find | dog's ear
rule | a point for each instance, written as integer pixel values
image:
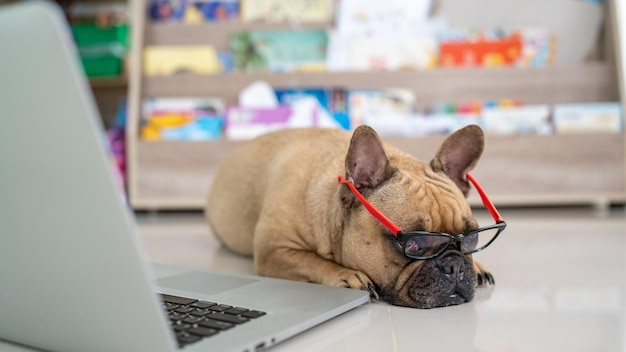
(367, 164)
(458, 155)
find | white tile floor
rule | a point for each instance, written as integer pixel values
(560, 286)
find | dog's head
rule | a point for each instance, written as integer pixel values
(416, 196)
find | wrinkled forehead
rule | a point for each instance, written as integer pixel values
(438, 207)
(451, 215)
(452, 224)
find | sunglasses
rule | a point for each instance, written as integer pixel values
(426, 245)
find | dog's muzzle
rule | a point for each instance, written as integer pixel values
(457, 276)
(439, 282)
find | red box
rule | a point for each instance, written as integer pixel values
(482, 52)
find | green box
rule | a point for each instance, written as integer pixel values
(86, 34)
(100, 66)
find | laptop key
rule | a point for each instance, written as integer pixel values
(185, 340)
(235, 311)
(202, 304)
(191, 319)
(252, 314)
(184, 310)
(177, 300)
(202, 331)
(228, 318)
(177, 316)
(215, 324)
(200, 312)
(219, 307)
(170, 306)
(181, 327)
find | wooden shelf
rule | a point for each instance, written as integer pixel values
(515, 170)
(108, 82)
(592, 82)
(216, 34)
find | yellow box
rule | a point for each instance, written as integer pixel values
(169, 60)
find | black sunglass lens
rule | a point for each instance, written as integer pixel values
(414, 247)
(478, 240)
(420, 246)
(470, 242)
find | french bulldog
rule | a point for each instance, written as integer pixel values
(277, 198)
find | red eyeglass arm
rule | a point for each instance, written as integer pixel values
(395, 228)
(375, 213)
(486, 201)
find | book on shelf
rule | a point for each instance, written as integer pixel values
(588, 118)
(193, 11)
(378, 103)
(286, 10)
(182, 119)
(522, 47)
(249, 122)
(386, 18)
(525, 119)
(333, 101)
(169, 60)
(380, 53)
(279, 51)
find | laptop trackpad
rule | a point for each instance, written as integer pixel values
(205, 283)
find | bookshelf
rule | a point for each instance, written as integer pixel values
(516, 170)
(591, 82)
(108, 82)
(108, 91)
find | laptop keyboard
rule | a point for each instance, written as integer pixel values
(192, 320)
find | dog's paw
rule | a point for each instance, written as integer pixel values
(353, 279)
(483, 277)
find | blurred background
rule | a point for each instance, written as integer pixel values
(180, 83)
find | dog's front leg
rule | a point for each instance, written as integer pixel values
(308, 266)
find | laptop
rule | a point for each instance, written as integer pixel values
(73, 276)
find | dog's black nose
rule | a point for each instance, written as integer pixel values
(451, 264)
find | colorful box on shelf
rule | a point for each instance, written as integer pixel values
(101, 49)
(526, 119)
(498, 117)
(481, 51)
(188, 119)
(588, 118)
(378, 103)
(200, 129)
(104, 66)
(193, 11)
(248, 122)
(526, 47)
(170, 60)
(286, 10)
(440, 118)
(474, 107)
(87, 34)
(182, 128)
(418, 125)
(332, 101)
(539, 48)
(390, 53)
(280, 51)
(103, 59)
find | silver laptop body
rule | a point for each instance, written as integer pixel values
(73, 276)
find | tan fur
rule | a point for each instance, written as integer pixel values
(277, 198)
